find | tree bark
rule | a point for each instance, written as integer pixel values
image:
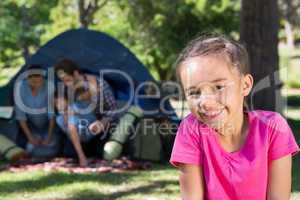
(25, 52)
(82, 14)
(26, 23)
(259, 32)
(87, 10)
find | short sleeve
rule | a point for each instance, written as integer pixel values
(50, 106)
(51, 115)
(59, 119)
(187, 148)
(72, 119)
(281, 140)
(20, 115)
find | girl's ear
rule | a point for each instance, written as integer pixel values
(247, 84)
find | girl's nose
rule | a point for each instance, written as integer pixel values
(208, 103)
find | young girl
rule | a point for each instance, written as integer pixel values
(223, 151)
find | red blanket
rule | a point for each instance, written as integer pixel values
(70, 165)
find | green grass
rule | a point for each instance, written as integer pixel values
(159, 183)
(289, 67)
(295, 125)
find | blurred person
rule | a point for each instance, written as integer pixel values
(39, 128)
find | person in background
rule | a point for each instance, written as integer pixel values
(96, 91)
(101, 92)
(33, 114)
(73, 119)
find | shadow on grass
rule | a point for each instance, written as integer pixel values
(293, 100)
(295, 57)
(60, 179)
(144, 190)
(295, 125)
(296, 174)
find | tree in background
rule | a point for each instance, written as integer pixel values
(75, 14)
(154, 30)
(87, 10)
(21, 25)
(162, 28)
(259, 31)
(290, 12)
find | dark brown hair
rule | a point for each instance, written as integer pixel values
(35, 67)
(67, 66)
(214, 45)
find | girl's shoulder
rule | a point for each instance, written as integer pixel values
(267, 117)
(269, 121)
(279, 135)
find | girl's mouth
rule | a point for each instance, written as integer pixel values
(211, 115)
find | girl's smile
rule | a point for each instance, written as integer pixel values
(213, 115)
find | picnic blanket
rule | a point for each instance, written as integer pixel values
(70, 165)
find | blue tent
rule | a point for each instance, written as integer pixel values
(94, 51)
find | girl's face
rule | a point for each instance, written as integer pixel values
(214, 89)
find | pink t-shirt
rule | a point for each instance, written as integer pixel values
(242, 174)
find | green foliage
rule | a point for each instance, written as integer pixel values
(154, 30)
(162, 28)
(63, 16)
(290, 10)
(21, 25)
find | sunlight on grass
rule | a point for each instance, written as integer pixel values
(293, 113)
(289, 66)
(159, 183)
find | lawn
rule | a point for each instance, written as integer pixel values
(159, 183)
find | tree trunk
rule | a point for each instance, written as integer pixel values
(259, 32)
(290, 40)
(87, 10)
(82, 14)
(25, 52)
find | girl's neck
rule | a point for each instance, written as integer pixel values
(234, 128)
(236, 139)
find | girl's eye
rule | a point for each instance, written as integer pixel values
(194, 94)
(220, 87)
